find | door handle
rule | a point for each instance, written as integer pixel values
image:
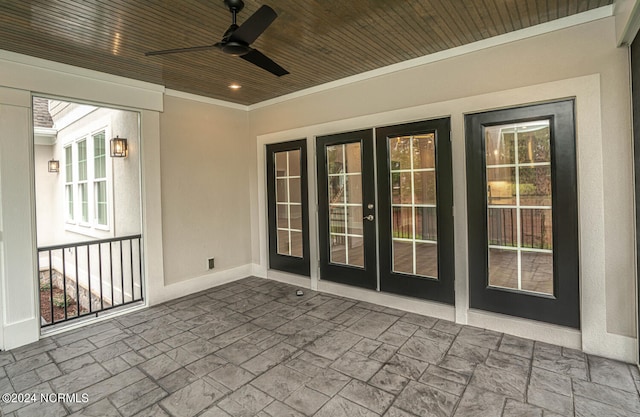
(369, 217)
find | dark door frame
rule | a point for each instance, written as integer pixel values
(563, 308)
(635, 100)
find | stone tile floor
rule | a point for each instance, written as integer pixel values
(252, 348)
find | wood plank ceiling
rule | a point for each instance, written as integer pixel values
(317, 41)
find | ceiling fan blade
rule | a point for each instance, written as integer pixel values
(254, 25)
(258, 58)
(178, 50)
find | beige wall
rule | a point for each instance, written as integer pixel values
(578, 51)
(205, 165)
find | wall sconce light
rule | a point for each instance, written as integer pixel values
(54, 166)
(119, 147)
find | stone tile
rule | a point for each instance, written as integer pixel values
(331, 309)
(517, 409)
(280, 382)
(422, 321)
(435, 335)
(239, 352)
(215, 411)
(76, 363)
(403, 328)
(585, 407)
(191, 400)
(26, 380)
(384, 353)
(425, 350)
(179, 379)
(472, 353)
(389, 381)
(549, 359)
(181, 339)
(200, 348)
(366, 346)
(550, 401)
(278, 409)
(102, 408)
(115, 365)
(333, 344)
(446, 326)
(367, 396)
(159, 367)
(508, 362)
(444, 380)
(499, 381)
(79, 379)
(27, 364)
(104, 388)
(478, 402)
(372, 325)
(250, 400)
(7, 357)
(142, 402)
(231, 376)
(108, 337)
(280, 352)
(459, 365)
(132, 392)
(259, 365)
(70, 351)
(357, 366)
(479, 337)
(132, 358)
(397, 412)
(205, 365)
(182, 356)
(550, 381)
(41, 409)
(608, 395)
(270, 321)
(424, 400)
(516, 346)
(406, 366)
(328, 382)
(393, 339)
(306, 400)
(43, 345)
(339, 406)
(612, 373)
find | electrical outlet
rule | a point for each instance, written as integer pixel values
(212, 263)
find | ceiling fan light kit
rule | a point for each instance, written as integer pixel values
(236, 40)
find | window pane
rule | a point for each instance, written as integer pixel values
(535, 186)
(336, 189)
(427, 259)
(400, 153)
(296, 244)
(99, 155)
(502, 227)
(354, 189)
(68, 164)
(353, 158)
(533, 143)
(503, 268)
(294, 163)
(295, 190)
(402, 257)
(296, 216)
(424, 155)
(402, 223)
(338, 249)
(282, 194)
(84, 201)
(499, 146)
(424, 187)
(283, 242)
(356, 251)
(82, 160)
(336, 220)
(335, 159)
(401, 187)
(70, 210)
(501, 186)
(537, 272)
(426, 223)
(354, 221)
(101, 202)
(283, 216)
(281, 164)
(536, 228)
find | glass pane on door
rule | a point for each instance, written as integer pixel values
(412, 162)
(344, 163)
(518, 172)
(288, 203)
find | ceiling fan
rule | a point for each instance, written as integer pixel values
(236, 39)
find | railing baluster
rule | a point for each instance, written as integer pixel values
(131, 252)
(89, 273)
(113, 298)
(77, 285)
(140, 263)
(64, 284)
(51, 284)
(100, 274)
(121, 274)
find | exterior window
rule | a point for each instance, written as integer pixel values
(100, 179)
(83, 196)
(86, 182)
(68, 185)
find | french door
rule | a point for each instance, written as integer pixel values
(522, 212)
(400, 240)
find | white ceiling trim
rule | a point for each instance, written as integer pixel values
(552, 26)
(203, 99)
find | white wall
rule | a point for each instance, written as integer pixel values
(523, 71)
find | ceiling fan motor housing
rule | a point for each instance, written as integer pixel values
(234, 5)
(235, 48)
